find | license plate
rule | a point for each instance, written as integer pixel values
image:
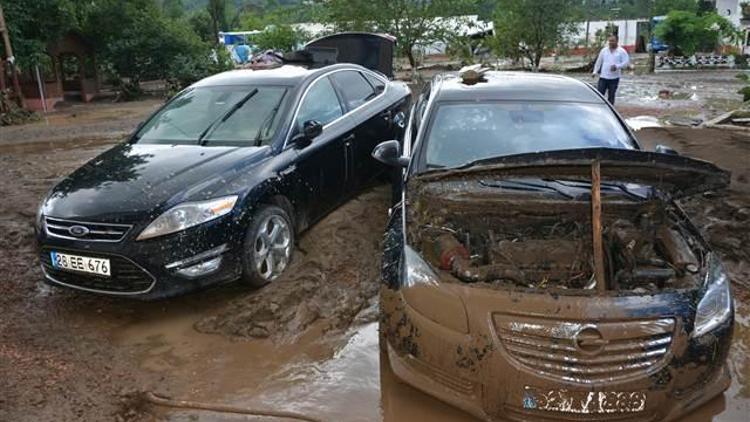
(67, 262)
(583, 402)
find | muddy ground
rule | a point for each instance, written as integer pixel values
(307, 343)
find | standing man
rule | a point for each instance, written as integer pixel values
(612, 59)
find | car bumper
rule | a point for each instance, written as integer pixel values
(148, 269)
(483, 373)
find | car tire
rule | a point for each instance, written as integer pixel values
(268, 246)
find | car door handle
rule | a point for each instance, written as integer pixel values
(289, 170)
(400, 119)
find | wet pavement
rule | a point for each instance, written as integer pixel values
(71, 356)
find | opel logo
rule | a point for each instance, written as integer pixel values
(589, 340)
(78, 231)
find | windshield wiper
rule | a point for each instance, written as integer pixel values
(223, 118)
(268, 121)
(524, 186)
(581, 184)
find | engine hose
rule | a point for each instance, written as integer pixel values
(223, 408)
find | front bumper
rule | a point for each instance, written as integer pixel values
(484, 373)
(147, 269)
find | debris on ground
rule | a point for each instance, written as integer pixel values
(736, 119)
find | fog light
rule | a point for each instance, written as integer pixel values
(203, 268)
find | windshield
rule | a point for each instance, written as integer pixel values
(214, 112)
(461, 133)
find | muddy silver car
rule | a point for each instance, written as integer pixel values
(538, 267)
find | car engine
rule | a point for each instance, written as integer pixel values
(537, 245)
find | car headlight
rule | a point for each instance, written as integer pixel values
(716, 305)
(423, 292)
(188, 214)
(38, 218)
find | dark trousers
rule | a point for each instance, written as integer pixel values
(608, 87)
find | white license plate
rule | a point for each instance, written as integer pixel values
(583, 402)
(63, 261)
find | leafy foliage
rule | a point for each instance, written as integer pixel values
(687, 32)
(412, 22)
(29, 33)
(745, 90)
(12, 114)
(134, 40)
(529, 28)
(279, 37)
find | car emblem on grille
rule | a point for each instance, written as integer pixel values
(78, 231)
(589, 340)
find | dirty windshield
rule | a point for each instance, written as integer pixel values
(226, 115)
(461, 133)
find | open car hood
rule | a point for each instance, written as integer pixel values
(373, 51)
(674, 175)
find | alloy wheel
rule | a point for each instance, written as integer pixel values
(272, 247)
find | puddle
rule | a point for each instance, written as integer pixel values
(355, 384)
(209, 367)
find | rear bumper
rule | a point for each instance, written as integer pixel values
(479, 372)
(141, 269)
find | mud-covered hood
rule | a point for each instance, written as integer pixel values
(674, 175)
(132, 181)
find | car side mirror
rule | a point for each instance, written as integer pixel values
(663, 149)
(311, 129)
(389, 152)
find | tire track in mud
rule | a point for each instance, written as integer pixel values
(333, 277)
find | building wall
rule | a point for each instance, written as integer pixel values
(627, 31)
(729, 9)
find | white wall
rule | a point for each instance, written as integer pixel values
(626, 29)
(729, 9)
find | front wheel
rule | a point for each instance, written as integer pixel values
(268, 246)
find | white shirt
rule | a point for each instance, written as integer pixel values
(607, 58)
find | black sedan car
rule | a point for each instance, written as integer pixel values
(538, 266)
(215, 185)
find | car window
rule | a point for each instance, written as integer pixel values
(320, 103)
(354, 88)
(189, 115)
(461, 133)
(255, 122)
(376, 82)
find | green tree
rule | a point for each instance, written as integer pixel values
(663, 7)
(200, 23)
(173, 9)
(279, 37)
(32, 25)
(687, 32)
(135, 42)
(414, 23)
(217, 12)
(530, 28)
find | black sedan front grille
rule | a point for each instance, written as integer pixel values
(126, 277)
(79, 230)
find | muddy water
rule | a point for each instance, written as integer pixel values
(79, 354)
(355, 384)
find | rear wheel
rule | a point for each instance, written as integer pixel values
(268, 246)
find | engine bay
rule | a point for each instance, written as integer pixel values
(548, 245)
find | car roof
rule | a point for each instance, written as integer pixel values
(514, 86)
(290, 75)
